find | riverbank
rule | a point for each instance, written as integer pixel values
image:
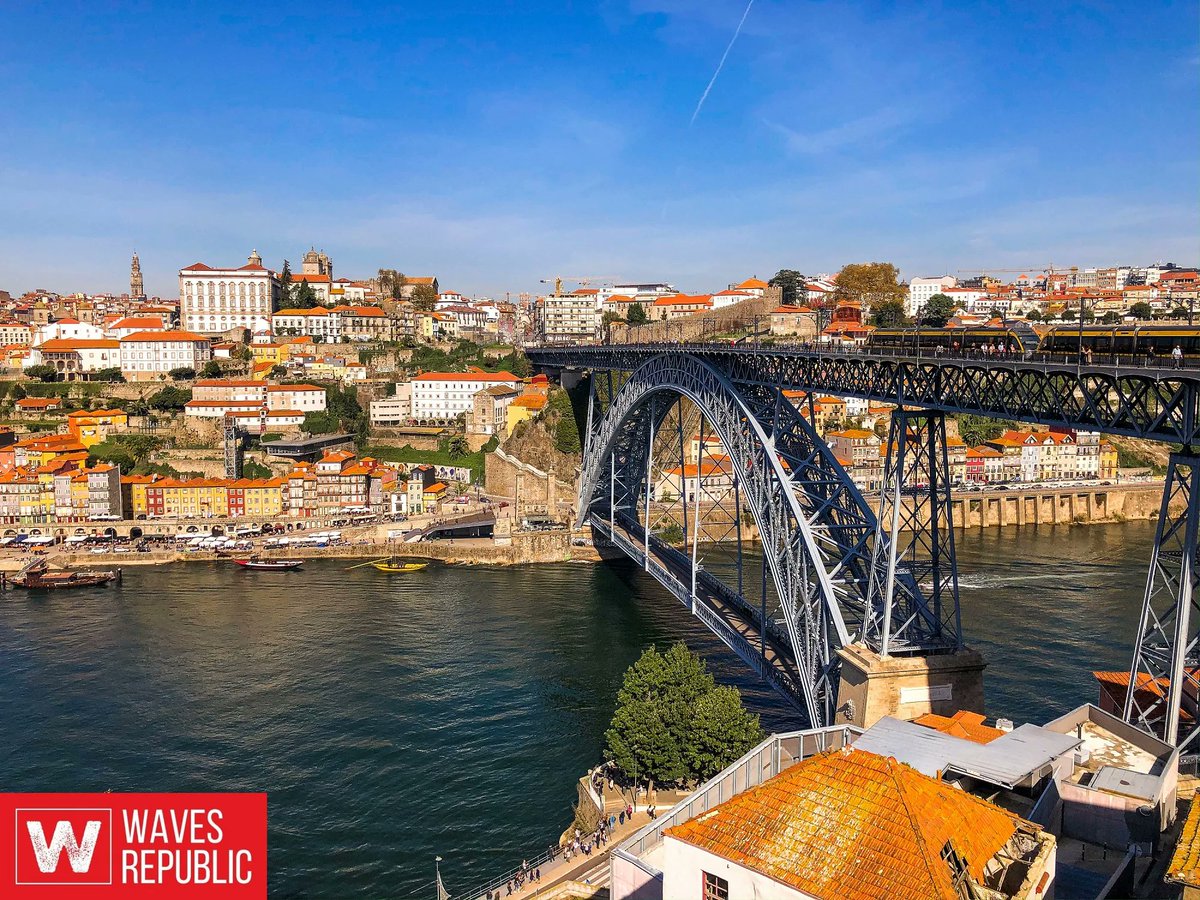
(522, 549)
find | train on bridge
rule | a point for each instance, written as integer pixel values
(1135, 341)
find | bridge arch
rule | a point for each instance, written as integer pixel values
(814, 525)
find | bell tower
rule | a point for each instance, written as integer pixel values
(137, 290)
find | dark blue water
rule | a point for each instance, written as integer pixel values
(448, 712)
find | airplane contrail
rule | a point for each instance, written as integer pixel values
(721, 64)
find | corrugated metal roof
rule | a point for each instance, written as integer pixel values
(1006, 761)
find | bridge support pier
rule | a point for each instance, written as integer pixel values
(872, 686)
(1162, 695)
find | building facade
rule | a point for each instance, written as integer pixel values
(215, 300)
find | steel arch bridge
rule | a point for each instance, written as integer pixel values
(839, 572)
(821, 542)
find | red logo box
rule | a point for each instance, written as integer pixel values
(158, 846)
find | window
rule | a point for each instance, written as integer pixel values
(715, 887)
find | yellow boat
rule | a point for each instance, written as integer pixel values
(397, 568)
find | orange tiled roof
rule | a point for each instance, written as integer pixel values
(753, 284)
(962, 724)
(176, 336)
(1185, 863)
(853, 825)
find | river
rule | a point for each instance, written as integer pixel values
(447, 712)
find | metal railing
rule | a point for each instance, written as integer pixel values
(1026, 358)
(768, 759)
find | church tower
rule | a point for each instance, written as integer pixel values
(137, 291)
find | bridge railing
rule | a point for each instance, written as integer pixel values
(1139, 361)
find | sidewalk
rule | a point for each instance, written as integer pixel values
(560, 870)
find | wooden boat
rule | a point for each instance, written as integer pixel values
(57, 581)
(269, 565)
(395, 567)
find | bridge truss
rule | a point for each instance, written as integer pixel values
(834, 572)
(823, 574)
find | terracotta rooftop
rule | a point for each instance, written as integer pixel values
(1185, 863)
(855, 826)
(962, 724)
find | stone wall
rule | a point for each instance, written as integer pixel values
(703, 325)
(531, 490)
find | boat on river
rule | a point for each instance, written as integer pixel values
(44, 580)
(395, 567)
(269, 565)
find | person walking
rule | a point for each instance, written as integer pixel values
(1177, 357)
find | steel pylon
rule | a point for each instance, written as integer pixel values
(1164, 677)
(913, 594)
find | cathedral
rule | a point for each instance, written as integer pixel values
(317, 264)
(137, 290)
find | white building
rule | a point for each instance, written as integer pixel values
(391, 411)
(569, 319)
(212, 399)
(68, 329)
(150, 355)
(75, 356)
(921, 289)
(215, 300)
(133, 324)
(446, 395)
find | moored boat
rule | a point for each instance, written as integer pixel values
(56, 581)
(394, 567)
(269, 565)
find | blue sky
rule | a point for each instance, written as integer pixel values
(497, 143)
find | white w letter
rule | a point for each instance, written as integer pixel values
(78, 855)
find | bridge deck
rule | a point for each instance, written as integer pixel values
(1137, 397)
(733, 619)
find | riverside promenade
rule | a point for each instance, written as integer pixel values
(583, 875)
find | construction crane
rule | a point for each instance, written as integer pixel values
(585, 280)
(984, 270)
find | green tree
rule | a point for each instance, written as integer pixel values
(672, 723)
(278, 371)
(566, 430)
(1110, 318)
(42, 372)
(322, 422)
(977, 429)
(869, 284)
(212, 369)
(303, 296)
(636, 315)
(183, 373)
(937, 311)
(1139, 310)
(888, 314)
(792, 284)
(424, 297)
(721, 732)
(458, 447)
(285, 287)
(169, 398)
(254, 469)
(1033, 315)
(995, 313)
(112, 373)
(1067, 315)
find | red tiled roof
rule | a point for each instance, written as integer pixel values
(856, 826)
(468, 376)
(963, 724)
(143, 336)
